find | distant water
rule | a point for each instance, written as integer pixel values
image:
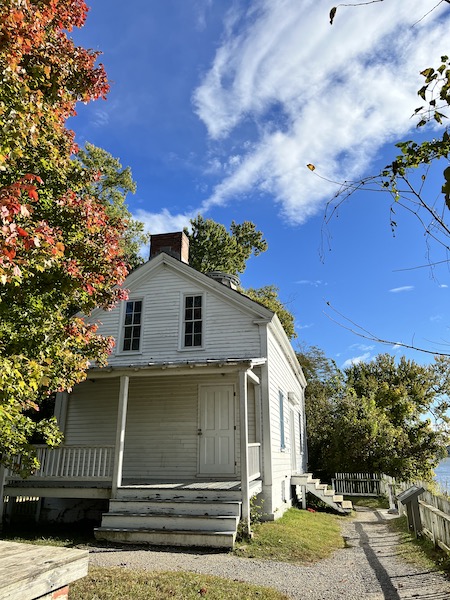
(443, 474)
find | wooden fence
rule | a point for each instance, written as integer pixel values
(357, 484)
(434, 509)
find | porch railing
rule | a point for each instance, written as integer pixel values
(81, 462)
(254, 461)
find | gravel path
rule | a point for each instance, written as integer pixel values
(369, 568)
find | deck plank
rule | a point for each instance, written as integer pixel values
(28, 571)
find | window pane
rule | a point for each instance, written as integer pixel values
(188, 314)
(197, 313)
(128, 319)
(189, 327)
(126, 344)
(197, 327)
(198, 339)
(138, 306)
(188, 340)
(129, 308)
(189, 301)
(135, 344)
(197, 301)
(137, 318)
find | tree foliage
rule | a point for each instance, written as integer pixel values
(213, 248)
(60, 245)
(111, 186)
(268, 296)
(377, 416)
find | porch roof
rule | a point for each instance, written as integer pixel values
(176, 366)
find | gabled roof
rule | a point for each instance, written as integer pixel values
(233, 296)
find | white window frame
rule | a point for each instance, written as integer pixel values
(120, 349)
(282, 422)
(182, 347)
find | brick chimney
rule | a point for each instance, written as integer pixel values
(176, 244)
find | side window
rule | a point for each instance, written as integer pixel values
(132, 326)
(282, 436)
(193, 322)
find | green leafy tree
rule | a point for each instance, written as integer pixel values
(324, 385)
(61, 245)
(377, 416)
(213, 248)
(111, 186)
(268, 296)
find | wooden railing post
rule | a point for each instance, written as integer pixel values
(245, 488)
(120, 434)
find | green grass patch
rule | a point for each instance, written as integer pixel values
(299, 536)
(419, 551)
(369, 501)
(118, 584)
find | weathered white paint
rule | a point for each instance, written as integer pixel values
(286, 377)
(228, 323)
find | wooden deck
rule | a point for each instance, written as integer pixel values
(28, 572)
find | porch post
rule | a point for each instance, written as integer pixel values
(243, 412)
(62, 399)
(120, 434)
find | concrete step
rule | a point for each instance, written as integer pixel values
(155, 522)
(347, 505)
(178, 507)
(204, 539)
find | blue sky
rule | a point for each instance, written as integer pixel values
(218, 106)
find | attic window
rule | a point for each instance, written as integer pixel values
(132, 326)
(193, 322)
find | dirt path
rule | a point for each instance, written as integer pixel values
(370, 568)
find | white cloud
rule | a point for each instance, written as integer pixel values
(163, 221)
(288, 89)
(404, 288)
(356, 360)
(443, 286)
(312, 282)
(308, 326)
(361, 347)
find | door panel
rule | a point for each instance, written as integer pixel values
(216, 431)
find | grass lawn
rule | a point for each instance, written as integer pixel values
(369, 501)
(299, 536)
(419, 551)
(121, 584)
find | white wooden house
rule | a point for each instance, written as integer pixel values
(200, 408)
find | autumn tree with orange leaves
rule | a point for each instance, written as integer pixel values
(61, 250)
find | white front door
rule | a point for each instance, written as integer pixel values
(216, 430)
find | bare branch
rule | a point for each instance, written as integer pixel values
(364, 333)
(430, 11)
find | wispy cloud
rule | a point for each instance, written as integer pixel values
(405, 288)
(356, 360)
(306, 326)
(361, 347)
(286, 89)
(312, 282)
(443, 286)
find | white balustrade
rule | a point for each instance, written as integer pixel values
(69, 462)
(254, 461)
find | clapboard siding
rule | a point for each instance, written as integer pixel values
(282, 379)
(92, 413)
(228, 330)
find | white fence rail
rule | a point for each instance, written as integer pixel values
(254, 461)
(357, 484)
(80, 462)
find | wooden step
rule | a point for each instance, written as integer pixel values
(204, 539)
(178, 507)
(156, 522)
(183, 493)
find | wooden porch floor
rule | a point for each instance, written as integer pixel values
(179, 485)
